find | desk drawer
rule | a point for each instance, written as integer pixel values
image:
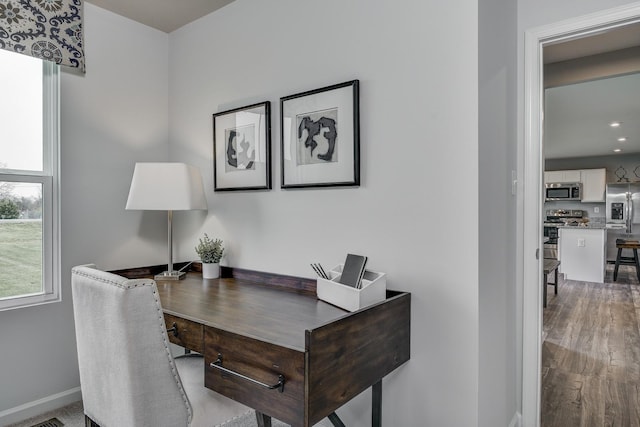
(262, 362)
(189, 334)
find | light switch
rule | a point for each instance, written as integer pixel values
(581, 243)
(596, 209)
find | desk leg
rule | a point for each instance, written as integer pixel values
(376, 405)
(88, 422)
(376, 408)
(263, 420)
(335, 420)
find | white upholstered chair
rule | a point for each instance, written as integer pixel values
(128, 376)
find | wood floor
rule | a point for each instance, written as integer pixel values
(591, 353)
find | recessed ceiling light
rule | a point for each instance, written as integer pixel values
(617, 150)
(615, 124)
(622, 139)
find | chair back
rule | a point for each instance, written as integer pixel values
(127, 373)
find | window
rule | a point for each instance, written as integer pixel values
(29, 224)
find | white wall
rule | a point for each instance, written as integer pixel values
(113, 117)
(499, 351)
(630, 164)
(416, 212)
(110, 117)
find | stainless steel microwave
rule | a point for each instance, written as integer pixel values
(563, 191)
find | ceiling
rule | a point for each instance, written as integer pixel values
(577, 116)
(164, 15)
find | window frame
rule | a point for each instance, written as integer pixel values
(49, 178)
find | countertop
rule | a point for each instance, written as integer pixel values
(587, 227)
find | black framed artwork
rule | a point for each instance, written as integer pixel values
(320, 137)
(242, 148)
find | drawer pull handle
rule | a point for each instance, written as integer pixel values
(173, 329)
(217, 364)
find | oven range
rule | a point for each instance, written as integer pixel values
(555, 218)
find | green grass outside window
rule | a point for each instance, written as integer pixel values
(20, 258)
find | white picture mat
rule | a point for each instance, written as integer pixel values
(241, 178)
(340, 171)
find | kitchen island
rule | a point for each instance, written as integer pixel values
(582, 252)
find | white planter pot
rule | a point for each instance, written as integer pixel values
(210, 270)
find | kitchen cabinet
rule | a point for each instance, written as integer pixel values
(583, 253)
(562, 176)
(594, 183)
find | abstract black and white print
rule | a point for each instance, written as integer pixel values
(317, 137)
(240, 148)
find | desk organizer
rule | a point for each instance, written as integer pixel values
(374, 289)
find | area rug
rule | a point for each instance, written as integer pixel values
(73, 416)
(249, 420)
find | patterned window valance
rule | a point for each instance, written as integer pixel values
(46, 29)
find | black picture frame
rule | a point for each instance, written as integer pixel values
(242, 148)
(320, 137)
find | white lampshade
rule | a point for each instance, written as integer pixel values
(166, 187)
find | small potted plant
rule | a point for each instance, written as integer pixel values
(210, 253)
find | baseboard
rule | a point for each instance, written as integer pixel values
(40, 406)
(516, 421)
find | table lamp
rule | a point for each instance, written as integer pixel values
(166, 187)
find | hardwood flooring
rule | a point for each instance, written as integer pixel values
(591, 353)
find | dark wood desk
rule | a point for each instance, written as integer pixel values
(272, 330)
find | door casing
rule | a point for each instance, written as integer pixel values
(530, 203)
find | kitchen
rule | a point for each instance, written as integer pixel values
(592, 138)
(583, 219)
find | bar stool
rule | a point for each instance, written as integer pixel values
(627, 244)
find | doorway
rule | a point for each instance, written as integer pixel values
(530, 156)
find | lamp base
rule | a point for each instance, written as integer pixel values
(170, 275)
